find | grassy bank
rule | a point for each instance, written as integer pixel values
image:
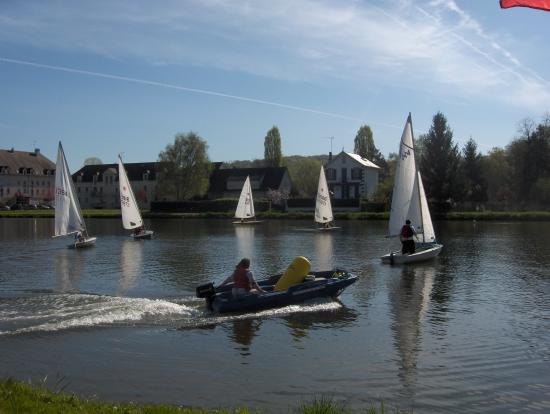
(303, 215)
(19, 397)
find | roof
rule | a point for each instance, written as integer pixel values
(268, 177)
(134, 170)
(360, 160)
(15, 160)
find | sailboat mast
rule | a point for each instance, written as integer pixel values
(416, 180)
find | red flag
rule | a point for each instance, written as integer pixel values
(534, 4)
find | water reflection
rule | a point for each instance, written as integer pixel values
(245, 240)
(131, 258)
(69, 266)
(323, 251)
(242, 333)
(409, 297)
(300, 324)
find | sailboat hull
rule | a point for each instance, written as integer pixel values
(146, 235)
(87, 242)
(328, 228)
(418, 256)
(248, 222)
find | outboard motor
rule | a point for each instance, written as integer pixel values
(206, 291)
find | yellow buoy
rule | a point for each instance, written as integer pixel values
(296, 273)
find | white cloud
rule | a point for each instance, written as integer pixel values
(399, 43)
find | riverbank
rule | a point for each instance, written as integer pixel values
(300, 215)
(20, 397)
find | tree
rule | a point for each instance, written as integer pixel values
(364, 146)
(185, 167)
(498, 173)
(304, 173)
(384, 190)
(439, 163)
(92, 161)
(475, 185)
(272, 148)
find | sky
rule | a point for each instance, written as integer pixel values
(108, 77)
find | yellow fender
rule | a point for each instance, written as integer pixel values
(296, 273)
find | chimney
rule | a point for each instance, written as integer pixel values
(330, 156)
(36, 151)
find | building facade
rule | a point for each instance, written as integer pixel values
(97, 185)
(349, 176)
(26, 177)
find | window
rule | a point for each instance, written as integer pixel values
(331, 174)
(356, 173)
(344, 174)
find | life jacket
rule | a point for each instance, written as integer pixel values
(406, 232)
(240, 279)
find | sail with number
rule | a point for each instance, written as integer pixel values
(323, 207)
(409, 199)
(245, 207)
(68, 216)
(131, 217)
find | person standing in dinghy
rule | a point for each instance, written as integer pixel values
(407, 236)
(243, 279)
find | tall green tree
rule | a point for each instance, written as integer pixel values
(530, 158)
(364, 146)
(498, 174)
(475, 184)
(185, 167)
(439, 163)
(304, 173)
(272, 148)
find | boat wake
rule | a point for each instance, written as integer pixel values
(46, 313)
(57, 312)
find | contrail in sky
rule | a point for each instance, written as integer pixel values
(177, 87)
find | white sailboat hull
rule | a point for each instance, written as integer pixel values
(248, 222)
(87, 242)
(146, 235)
(328, 228)
(419, 256)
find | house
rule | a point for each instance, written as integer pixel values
(228, 182)
(27, 177)
(349, 176)
(97, 185)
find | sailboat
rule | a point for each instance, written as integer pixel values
(245, 207)
(68, 216)
(323, 207)
(131, 217)
(409, 203)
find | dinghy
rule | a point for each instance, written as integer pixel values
(409, 203)
(131, 217)
(68, 216)
(245, 207)
(323, 206)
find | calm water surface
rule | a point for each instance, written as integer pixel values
(468, 332)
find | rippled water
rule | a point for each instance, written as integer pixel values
(468, 332)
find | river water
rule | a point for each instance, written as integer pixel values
(467, 332)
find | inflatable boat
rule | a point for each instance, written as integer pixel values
(314, 285)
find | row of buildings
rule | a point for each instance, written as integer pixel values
(29, 178)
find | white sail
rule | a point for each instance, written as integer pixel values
(427, 226)
(323, 207)
(131, 218)
(68, 217)
(245, 208)
(405, 202)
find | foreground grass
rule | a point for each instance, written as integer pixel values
(19, 397)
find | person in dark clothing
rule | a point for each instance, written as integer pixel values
(407, 238)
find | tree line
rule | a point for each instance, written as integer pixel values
(516, 176)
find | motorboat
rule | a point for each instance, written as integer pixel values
(315, 285)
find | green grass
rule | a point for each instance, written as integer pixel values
(18, 397)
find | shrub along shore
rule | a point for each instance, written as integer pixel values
(302, 215)
(20, 397)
